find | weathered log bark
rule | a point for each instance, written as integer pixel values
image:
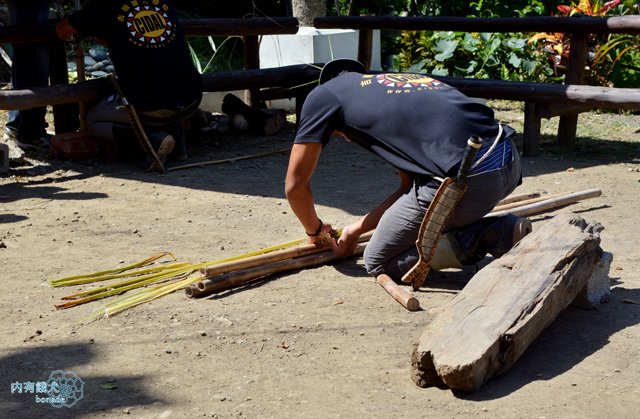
(506, 305)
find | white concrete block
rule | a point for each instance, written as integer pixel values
(311, 45)
(212, 101)
(598, 287)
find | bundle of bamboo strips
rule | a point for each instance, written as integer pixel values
(205, 278)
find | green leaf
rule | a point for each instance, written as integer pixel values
(529, 65)
(470, 43)
(517, 44)
(445, 49)
(514, 60)
(417, 67)
(440, 71)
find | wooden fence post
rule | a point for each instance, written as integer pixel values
(575, 75)
(65, 116)
(532, 135)
(365, 45)
(251, 62)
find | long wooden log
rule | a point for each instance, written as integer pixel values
(506, 305)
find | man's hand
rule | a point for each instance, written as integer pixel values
(346, 244)
(326, 236)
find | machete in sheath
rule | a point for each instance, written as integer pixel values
(440, 209)
(134, 119)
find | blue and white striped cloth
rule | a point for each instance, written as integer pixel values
(501, 155)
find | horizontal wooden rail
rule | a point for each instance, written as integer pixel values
(287, 77)
(249, 26)
(588, 96)
(246, 26)
(615, 24)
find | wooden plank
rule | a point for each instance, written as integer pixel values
(505, 306)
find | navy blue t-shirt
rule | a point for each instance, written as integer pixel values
(148, 50)
(414, 122)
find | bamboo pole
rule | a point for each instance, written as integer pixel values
(523, 202)
(233, 159)
(398, 293)
(275, 256)
(518, 197)
(549, 204)
(244, 276)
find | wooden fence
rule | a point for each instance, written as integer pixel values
(261, 84)
(542, 100)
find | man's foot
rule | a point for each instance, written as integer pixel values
(164, 149)
(42, 144)
(491, 235)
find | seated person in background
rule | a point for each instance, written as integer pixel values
(153, 67)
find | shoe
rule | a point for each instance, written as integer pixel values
(490, 235)
(164, 149)
(36, 144)
(10, 134)
(42, 144)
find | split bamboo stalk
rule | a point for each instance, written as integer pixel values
(501, 207)
(398, 293)
(275, 256)
(518, 197)
(244, 276)
(549, 204)
(90, 277)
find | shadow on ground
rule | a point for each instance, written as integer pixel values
(35, 364)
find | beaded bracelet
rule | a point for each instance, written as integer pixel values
(318, 231)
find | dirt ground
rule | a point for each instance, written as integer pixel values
(321, 342)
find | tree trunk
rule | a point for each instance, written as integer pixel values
(306, 10)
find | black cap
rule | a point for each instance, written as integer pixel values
(338, 66)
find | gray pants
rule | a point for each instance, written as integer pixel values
(392, 248)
